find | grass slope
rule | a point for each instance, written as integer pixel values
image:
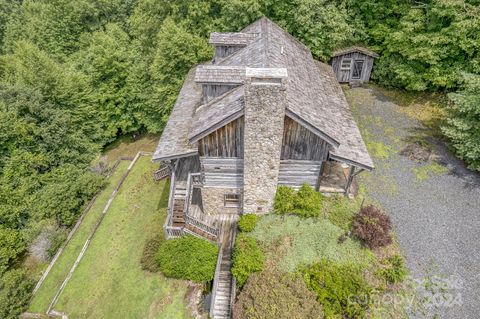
(109, 282)
(45, 294)
(295, 241)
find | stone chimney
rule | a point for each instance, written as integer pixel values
(265, 102)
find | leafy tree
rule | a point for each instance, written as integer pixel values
(15, 292)
(177, 51)
(463, 125)
(433, 42)
(105, 58)
(11, 246)
(320, 24)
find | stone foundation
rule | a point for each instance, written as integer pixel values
(213, 200)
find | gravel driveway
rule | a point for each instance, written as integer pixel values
(437, 217)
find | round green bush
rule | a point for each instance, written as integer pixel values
(188, 258)
(247, 258)
(283, 201)
(247, 223)
(306, 202)
(341, 289)
(271, 294)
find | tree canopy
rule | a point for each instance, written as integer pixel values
(76, 75)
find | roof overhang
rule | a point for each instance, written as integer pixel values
(221, 123)
(349, 161)
(173, 156)
(330, 140)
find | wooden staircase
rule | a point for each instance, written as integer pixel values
(179, 198)
(224, 284)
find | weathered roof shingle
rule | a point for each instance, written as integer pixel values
(314, 97)
(232, 38)
(220, 74)
(351, 49)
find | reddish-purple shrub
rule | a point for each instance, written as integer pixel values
(373, 227)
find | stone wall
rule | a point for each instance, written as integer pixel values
(213, 200)
(265, 102)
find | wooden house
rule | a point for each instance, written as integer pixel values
(263, 113)
(353, 65)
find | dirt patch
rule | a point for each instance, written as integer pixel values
(194, 297)
(417, 152)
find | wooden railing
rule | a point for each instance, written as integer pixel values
(201, 225)
(171, 231)
(161, 173)
(216, 280)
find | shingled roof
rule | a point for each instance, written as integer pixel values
(351, 49)
(232, 38)
(220, 74)
(314, 97)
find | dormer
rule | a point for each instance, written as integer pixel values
(218, 79)
(227, 43)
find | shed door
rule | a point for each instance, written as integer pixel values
(357, 69)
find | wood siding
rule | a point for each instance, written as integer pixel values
(211, 91)
(222, 51)
(227, 141)
(295, 173)
(222, 172)
(345, 76)
(301, 144)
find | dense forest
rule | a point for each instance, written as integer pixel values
(77, 74)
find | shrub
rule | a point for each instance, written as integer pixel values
(57, 238)
(188, 258)
(340, 210)
(284, 200)
(373, 227)
(273, 295)
(247, 222)
(15, 292)
(149, 261)
(306, 202)
(247, 258)
(340, 288)
(395, 270)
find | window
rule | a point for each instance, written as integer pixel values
(346, 64)
(357, 69)
(232, 200)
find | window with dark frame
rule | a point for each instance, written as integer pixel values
(346, 64)
(232, 200)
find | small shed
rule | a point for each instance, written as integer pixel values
(353, 65)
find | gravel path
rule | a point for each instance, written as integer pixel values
(437, 219)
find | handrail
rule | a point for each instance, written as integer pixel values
(203, 226)
(215, 281)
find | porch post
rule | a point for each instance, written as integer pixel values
(349, 179)
(319, 179)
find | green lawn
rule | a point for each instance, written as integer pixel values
(109, 282)
(291, 241)
(45, 294)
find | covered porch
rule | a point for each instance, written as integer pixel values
(338, 178)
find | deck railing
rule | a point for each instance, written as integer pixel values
(215, 281)
(201, 225)
(171, 231)
(161, 173)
